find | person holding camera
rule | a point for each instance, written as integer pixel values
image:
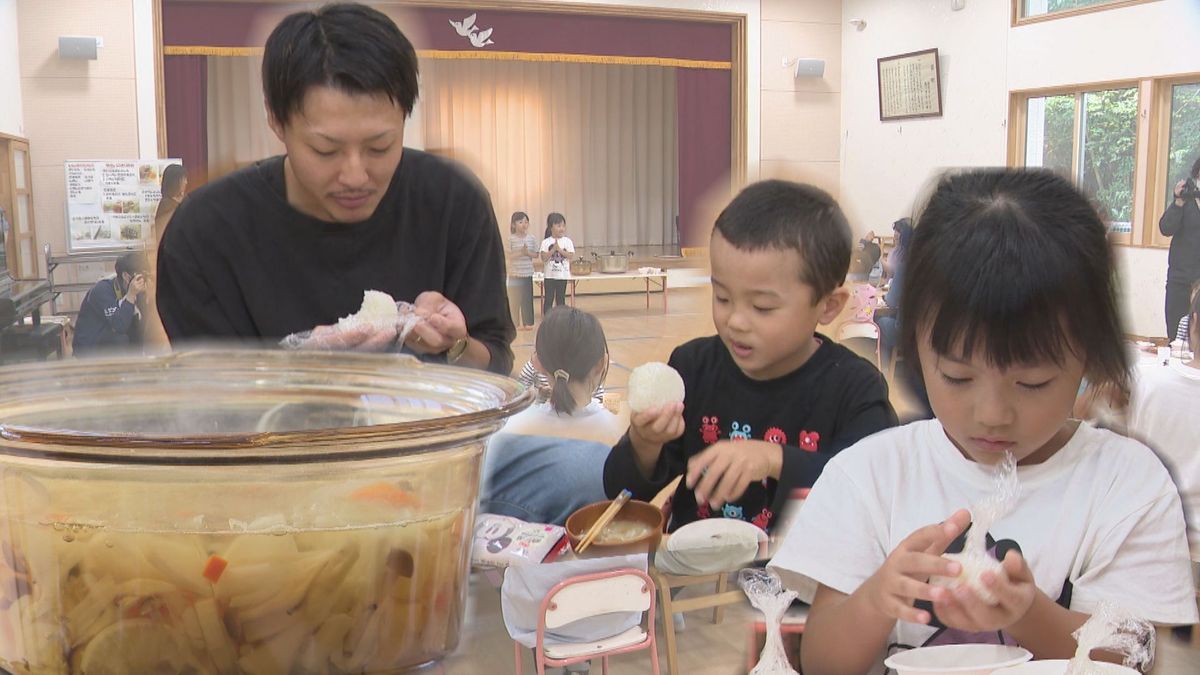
(1181, 222)
(112, 315)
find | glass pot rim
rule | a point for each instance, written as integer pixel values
(486, 400)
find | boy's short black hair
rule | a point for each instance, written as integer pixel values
(1015, 263)
(346, 46)
(778, 214)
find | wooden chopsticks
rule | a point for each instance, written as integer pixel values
(660, 499)
(604, 519)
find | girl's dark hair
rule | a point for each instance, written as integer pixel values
(347, 46)
(553, 219)
(1015, 263)
(517, 217)
(172, 179)
(570, 342)
(1196, 168)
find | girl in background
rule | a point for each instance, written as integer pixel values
(556, 251)
(522, 250)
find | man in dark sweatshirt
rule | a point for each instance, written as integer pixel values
(292, 242)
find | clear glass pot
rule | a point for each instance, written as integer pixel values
(239, 512)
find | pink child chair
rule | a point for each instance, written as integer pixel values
(587, 595)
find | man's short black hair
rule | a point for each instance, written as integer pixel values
(133, 263)
(345, 46)
(777, 214)
(1013, 264)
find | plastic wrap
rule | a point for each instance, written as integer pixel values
(1112, 629)
(766, 593)
(975, 558)
(350, 332)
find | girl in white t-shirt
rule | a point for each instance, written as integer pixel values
(1010, 299)
(1164, 413)
(557, 250)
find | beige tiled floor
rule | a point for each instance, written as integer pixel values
(636, 335)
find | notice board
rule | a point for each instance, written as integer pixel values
(111, 203)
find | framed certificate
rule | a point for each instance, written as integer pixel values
(910, 85)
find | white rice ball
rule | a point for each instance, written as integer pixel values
(654, 384)
(378, 309)
(971, 573)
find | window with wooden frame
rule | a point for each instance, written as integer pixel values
(1175, 145)
(1125, 143)
(1089, 136)
(1033, 11)
(16, 200)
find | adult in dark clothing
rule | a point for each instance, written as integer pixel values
(866, 255)
(293, 242)
(1181, 222)
(111, 317)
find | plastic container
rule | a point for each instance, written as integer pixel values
(967, 659)
(239, 512)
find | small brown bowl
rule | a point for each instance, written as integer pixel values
(642, 512)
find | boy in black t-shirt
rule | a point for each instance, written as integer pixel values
(768, 400)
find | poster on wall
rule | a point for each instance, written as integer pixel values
(111, 203)
(910, 86)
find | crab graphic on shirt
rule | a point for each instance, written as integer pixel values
(703, 510)
(709, 431)
(809, 440)
(740, 432)
(763, 519)
(731, 511)
(775, 435)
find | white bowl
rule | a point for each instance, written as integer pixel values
(959, 659)
(1059, 667)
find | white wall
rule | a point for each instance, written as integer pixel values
(11, 117)
(885, 165)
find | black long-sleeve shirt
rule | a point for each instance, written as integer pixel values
(106, 320)
(1182, 224)
(240, 262)
(832, 401)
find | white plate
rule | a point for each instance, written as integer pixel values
(960, 659)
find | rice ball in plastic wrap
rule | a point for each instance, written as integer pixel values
(378, 309)
(654, 384)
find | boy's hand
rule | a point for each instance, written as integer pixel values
(963, 609)
(657, 425)
(904, 576)
(725, 469)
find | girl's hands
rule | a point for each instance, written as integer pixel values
(963, 609)
(904, 577)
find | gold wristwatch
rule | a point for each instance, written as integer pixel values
(457, 350)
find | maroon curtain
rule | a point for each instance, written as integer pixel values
(704, 128)
(185, 86)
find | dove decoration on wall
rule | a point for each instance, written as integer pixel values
(467, 28)
(481, 40)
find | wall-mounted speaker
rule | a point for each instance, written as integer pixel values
(78, 47)
(810, 68)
